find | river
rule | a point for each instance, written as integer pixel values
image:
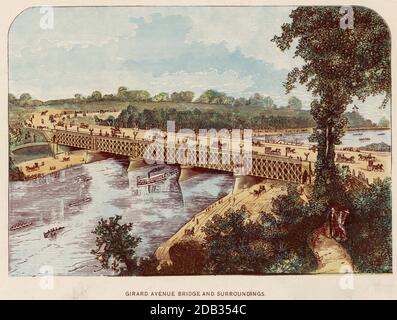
(350, 139)
(76, 198)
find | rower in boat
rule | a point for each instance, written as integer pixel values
(20, 225)
(52, 232)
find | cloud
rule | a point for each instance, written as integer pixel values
(153, 48)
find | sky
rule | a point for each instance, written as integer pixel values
(156, 49)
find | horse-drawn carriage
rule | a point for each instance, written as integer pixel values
(84, 125)
(313, 148)
(275, 152)
(289, 150)
(374, 167)
(340, 157)
(32, 168)
(366, 157)
(115, 131)
(256, 143)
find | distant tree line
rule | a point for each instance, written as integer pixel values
(356, 120)
(125, 95)
(24, 100)
(197, 119)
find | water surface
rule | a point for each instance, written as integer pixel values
(76, 198)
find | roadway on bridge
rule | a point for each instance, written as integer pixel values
(300, 151)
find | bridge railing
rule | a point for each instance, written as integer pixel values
(258, 164)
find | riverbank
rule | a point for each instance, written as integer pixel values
(48, 165)
(256, 205)
(331, 256)
(270, 132)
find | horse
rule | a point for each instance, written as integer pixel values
(32, 168)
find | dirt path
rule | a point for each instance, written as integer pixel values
(330, 254)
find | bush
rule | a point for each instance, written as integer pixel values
(236, 245)
(370, 228)
(188, 257)
(115, 246)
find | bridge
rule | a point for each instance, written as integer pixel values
(263, 165)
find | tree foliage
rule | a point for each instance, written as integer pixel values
(236, 245)
(115, 246)
(384, 122)
(370, 228)
(294, 103)
(215, 97)
(198, 119)
(96, 95)
(340, 64)
(188, 257)
(182, 96)
(161, 97)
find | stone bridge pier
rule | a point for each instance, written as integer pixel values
(243, 182)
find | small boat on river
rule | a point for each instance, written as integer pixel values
(381, 134)
(364, 139)
(20, 225)
(80, 179)
(157, 175)
(79, 202)
(358, 134)
(52, 232)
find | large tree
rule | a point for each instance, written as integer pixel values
(340, 64)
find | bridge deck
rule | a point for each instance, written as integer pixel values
(254, 164)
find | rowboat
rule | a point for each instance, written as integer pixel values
(20, 225)
(52, 232)
(80, 179)
(79, 202)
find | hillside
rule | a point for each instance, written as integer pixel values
(253, 116)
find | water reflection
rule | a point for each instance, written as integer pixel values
(76, 198)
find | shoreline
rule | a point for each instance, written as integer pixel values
(255, 206)
(265, 132)
(41, 167)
